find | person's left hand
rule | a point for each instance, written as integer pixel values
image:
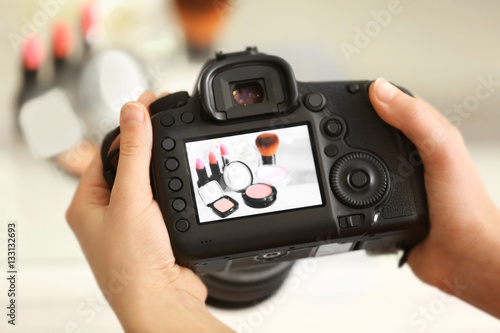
(123, 236)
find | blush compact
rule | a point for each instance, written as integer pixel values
(259, 195)
(213, 197)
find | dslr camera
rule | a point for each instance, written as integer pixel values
(255, 170)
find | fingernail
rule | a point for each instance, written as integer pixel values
(132, 114)
(384, 90)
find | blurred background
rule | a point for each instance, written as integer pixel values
(89, 58)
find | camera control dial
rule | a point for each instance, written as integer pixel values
(358, 180)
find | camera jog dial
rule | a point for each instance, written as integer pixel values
(359, 180)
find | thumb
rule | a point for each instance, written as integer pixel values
(435, 138)
(132, 181)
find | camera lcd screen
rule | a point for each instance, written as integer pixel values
(253, 173)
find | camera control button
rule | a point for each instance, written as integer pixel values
(359, 179)
(343, 224)
(187, 117)
(315, 102)
(182, 225)
(179, 204)
(167, 120)
(168, 144)
(355, 220)
(353, 88)
(331, 150)
(350, 221)
(333, 128)
(175, 184)
(171, 164)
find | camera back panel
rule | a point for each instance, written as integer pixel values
(320, 173)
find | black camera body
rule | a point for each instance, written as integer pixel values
(256, 168)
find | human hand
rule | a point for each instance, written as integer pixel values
(460, 254)
(123, 236)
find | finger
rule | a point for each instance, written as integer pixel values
(93, 189)
(92, 193)
(77, 159)
(147, 98)
(431, 133)
(132, 185)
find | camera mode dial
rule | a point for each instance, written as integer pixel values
(358, 180)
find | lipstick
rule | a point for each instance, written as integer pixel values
(64, 71)
(224, 154)
(216, 174)
(63, 41)
(267, 144)
(202, 173)
(89, 24)
(33, 56)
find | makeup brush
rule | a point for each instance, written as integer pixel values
(216, 174)
(267, 144)
(202, 173)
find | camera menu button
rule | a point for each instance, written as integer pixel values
(315, 102)
(168, 144)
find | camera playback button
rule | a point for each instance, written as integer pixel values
(179, 204)
(182, 225)
(175, 184)
(171, 164)
(315, 102)
(168, 144)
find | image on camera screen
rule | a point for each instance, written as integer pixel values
(253, 173)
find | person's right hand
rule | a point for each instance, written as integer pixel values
(461, 254)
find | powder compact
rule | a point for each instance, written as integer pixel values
(238, 177)
(259, 195)
(212, 195)
(273, 174)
